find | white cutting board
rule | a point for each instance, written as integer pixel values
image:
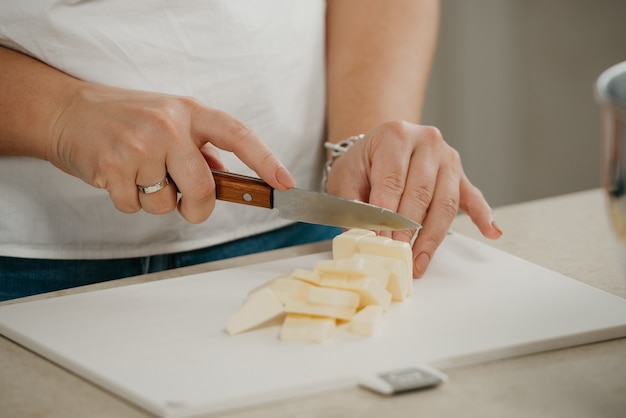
(162, 345)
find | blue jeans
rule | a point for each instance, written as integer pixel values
(21, 277)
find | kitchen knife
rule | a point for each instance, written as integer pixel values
(307, 206)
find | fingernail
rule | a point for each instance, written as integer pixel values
(284, 178)
(495, 226)
(421, 263)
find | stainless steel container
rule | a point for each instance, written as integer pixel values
(611, 96)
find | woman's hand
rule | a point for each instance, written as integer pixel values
(116, 139)
(410, 169)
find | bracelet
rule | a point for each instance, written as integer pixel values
(337, 151)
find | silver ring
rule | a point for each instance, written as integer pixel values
(155, 187)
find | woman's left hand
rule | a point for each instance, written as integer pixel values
(410, 169)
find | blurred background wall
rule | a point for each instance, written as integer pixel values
(512, 89)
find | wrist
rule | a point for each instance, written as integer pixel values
(337, 149)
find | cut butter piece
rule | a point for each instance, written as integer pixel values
(317, 309)
(260, 307)
(312, 277)
(353, 268)
(366, 320)
(345, 245)
(305, 328)
(399, 280)
(333, 297)
(388, 247)
(288, 288)
(371, 291)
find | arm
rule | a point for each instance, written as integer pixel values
(117, 138)
(379, 55)
(31, 99)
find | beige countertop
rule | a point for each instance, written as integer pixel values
(568, 234)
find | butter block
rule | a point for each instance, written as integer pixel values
(317, 309)
(305, 328)
(260, 307)
(399, 280)
(333, 297)
(353, 268)
(356, 267)
(387, 247)
(366, 320)
(371, 291)
(312, 277)
(288, 288)
(345, 245)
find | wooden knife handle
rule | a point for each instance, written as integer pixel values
(242, 189)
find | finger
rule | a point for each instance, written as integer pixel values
(473, 203)
(193, 178)
(161, 201)
(212, 157)
(122, 189)
(389, 168)
(151, 171)
(230, 134)
(388, 172)
(419, 191)
(443, 209)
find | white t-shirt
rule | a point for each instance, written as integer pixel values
(260, 61)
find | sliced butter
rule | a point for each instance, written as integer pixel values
(345, 245)
(312, 277)
(260, 307)
(366, 320)
(333, 297)
(316, 309)
(371, 291)
(353, 268)
(305, 328)
(388, 247)
(399, 280)
(288, 288)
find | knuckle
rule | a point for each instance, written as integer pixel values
(241, 133)
(162, 208)
(197, 216)
(449, 206)
(164, 121)
(432, 133)
(203, 190)
(126, 207)
(397, 128)
(422, 196)
(393, 183)
(454, 157)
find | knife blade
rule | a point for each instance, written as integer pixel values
(307, 206)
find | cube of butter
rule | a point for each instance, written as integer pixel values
(312, 277)
(354, 268)
(387, 247)
(305, 328)
(366, 320)
(317, 309)
(345, 245)
(372, 293)
(288, 288)
(399, 280)
(333, 297)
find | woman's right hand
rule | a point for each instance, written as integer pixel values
(116, 139)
